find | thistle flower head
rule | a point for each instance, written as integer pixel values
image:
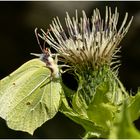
(87, 43)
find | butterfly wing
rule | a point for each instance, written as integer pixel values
(28, 97)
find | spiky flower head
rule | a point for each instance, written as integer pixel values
(87, 43)
(88, 47)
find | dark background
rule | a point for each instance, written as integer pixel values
(17, 40)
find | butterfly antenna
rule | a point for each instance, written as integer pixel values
(46, 36)
(44, 45)
(36, 34)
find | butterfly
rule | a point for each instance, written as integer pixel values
(30, 95)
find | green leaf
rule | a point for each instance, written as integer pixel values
(123, 127)
(28, 97)
(79, 105)
(68, 92)
(134, 106)
(95, 104)
(90, 127)
(100, 109)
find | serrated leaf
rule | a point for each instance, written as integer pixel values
(100, 109)
(28, 97)
(123, 127)
(134, 106)
(89, 126)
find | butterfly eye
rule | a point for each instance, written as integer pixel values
(47, 51)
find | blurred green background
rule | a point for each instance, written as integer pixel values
(17, 40)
